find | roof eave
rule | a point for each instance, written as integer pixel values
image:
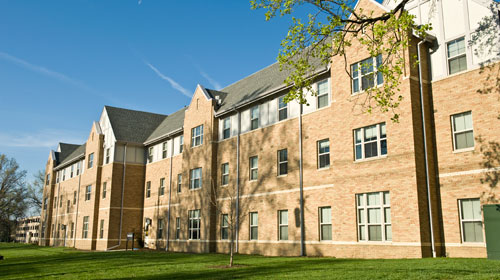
(164, 136)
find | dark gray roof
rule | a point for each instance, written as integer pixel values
(133, 126)
(66, 150)
(79, 151)
(171, 123)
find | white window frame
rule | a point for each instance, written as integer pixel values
(363, 207)
(379, 141)
(181, 144)
(462, 131)
(464, 54)
(356, 74)
(323, 224)
(161, 190)
(159, 232)
(283, 162)
(177, 227)
(104, 186)
(194, 175)
(225, 174)
(224, 226)
(226, 127)
(179, 182)
(254, 117)
(57, 176)
(148, 189)
(194, 215)
(164, 151)
(150, 154)
(72, 230)
(323, 154)
(85, 228)
(254, 168)
(101, 229)
(78, 166)
(197, 136)
(282, 106)
(463, 221)
(107, 155)
(282, 225)
(90, 161)
(327, 93)
(88, 192)
(252, 226)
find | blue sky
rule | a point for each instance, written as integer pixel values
(62, 61)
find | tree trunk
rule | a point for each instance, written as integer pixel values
(231, 253)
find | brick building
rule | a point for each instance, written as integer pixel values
(28, 230)
(362, 185)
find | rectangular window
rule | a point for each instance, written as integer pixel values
(195, 180)
(471, 220)
(164, 150)
(60, 201)
(370, 141)
(57, 176)
(78, 167)
(374, 216)
(148, 189)
(324, 153)
(63, 174)
(55, 202)
(225, 174)
(283, 224)
(181, 144)
(254, 168)
(457, 59)
(104, 186)
(68, 203)
(47, 179)
(72, 234)
(90, 161)
(282, 162)
(160, 229)
(74, 197)
(282, 109)
(44, 203)
(226, 128)
(71, 172)
(150, 154)
(463, 133)
(194, 224)
(101, 229)
(179, 183)
(88, 192)
(107, 155)
(85, 229)
(365, 73)
(177, 228)
(254, 117)
(224, 227)
(254, 226)
(323, 93)
(162, 186)
(325, 223)
(197, 136)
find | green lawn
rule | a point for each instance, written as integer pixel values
(27, 261)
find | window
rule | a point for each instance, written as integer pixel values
(282, 109)
(254, 117)
(283, 224)
(164, 150)
(324, 153)
(104, 190)
(101, 229)
(78, 166)
(370, 141)
(90, 161)
(323, 94)
(364, 72)
(72, 234)
(44, 203)
(225, 174)
(150, 154)
(197, 136)
(325, 223)
(74, 197)
(254, 168)
(148, 189)
(226, 128)
(195, 179)
(282, 162)
(160, 229)
(179, 183)
(60, 201)
(107, 155)
(68, 203)
(162, 186)
(457, 59)
(254, 226)
(181, 143)
(85, 229)
(194, 224)
(47, 179)
(63, 174)
(71, 173)
(463, 133)
(470, 220)
(88, 191)
(57, 176)
(177, 228)
(374, 216)
(224, 227)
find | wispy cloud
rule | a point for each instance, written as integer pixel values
(40, 139)
(173, 83)
(212, 82)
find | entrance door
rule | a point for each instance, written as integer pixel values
(492, 230)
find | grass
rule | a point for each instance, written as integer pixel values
(29, 261)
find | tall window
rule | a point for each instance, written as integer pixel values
(72, 171)
(325, 223)
(225, 174)
(197, 136)
(74, 197)
(85, 229)
(101, 229)
(254, 117)
(177, 227)
(63, 174)
(370, 141)
(44, 203)
(90, 161)
(194, 224)
(179, 183)
(365, 73)
(150, 154)
(55, 202)
(224, 227)
(160, 229)
(195, 180)
(107, 155)
(324, 153)
(72, 230)
(254, 168)
(88, 192)
(164, 150)
(57, 176)
(47, 179)
(463, 133)
(374, 216)
(60, 201)
(148, 189)
(282, 162)
(226, 128)
(68, 205)
(457, 59)
(181, 143)
(470, 220)
(283, 224)
(162, 186)
(78, 167)
(323, 94)
(254, 226)
(282, 109)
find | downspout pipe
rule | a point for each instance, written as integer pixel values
(422, 108)
(58, 202)
(121, 207)
(77, 205)
(169, 194)
(238, 183)
(301, 187)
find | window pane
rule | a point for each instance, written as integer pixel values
(459, 122)
(367, 66)
(326, 232)
(324, 146)
(283, 232)
(371, 150)
(388, 232)
(373, 199)
(281, 102)
(326, 215)
(473, 232)
(284, 217)
(457, 64)
(464, 140)
(371, 133)
(367, 82)
(254, 233)
(374, 215)
(387, 215)
(383, 147)
(354, 69)
(254, 219)
(361, 200)
(283, 114)
(355, 85)
(362, 234)
(358, 136)
(375, 233)
(387, 198)
(468, 120)
(359, 154)
(323, 101)
(382, 131)
(476, 209)
(324, 161)
(361, 216)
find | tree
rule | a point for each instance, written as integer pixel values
(333, 27)
(35, 190)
